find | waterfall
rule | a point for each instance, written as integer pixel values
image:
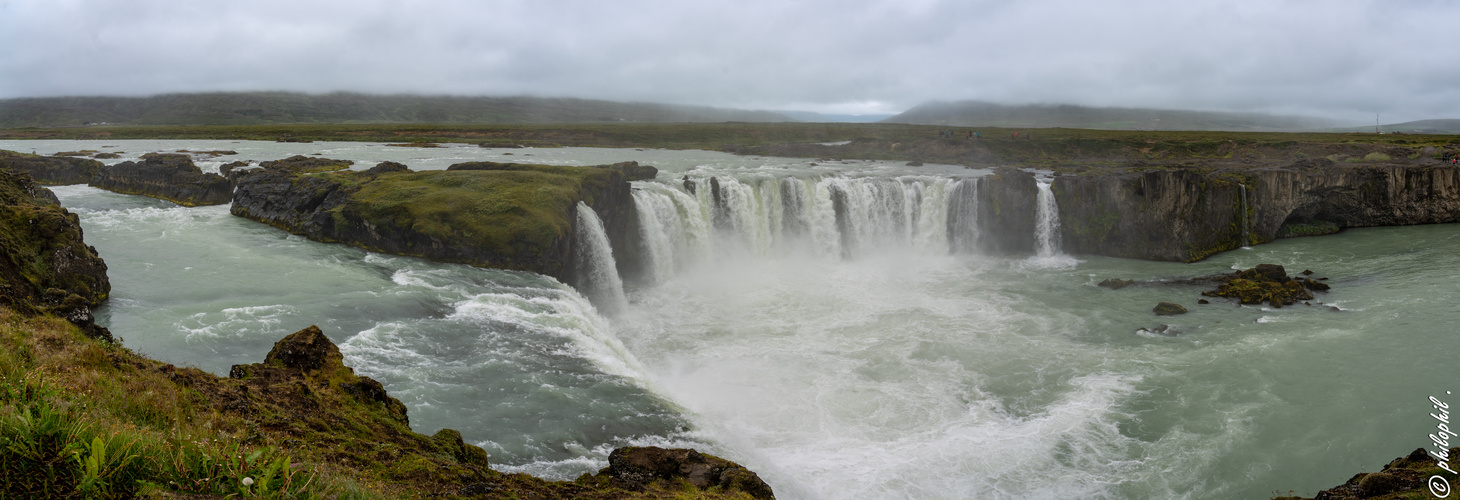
(962, 217)
(830, 216)
(597, 274)
(1047, 222)
(1242, 188)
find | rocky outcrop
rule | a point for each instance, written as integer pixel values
(637, 467)
(309, 355)
(1266, 283)
(1006, 208)
(387, 167)
(506, 216)
(301, 164)
(45, 266)
(1417, 475)
(1188, 214)
(1168, 309)
(172, 177)
(51, 170)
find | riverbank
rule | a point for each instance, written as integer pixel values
(81, 415)
(1068, 150)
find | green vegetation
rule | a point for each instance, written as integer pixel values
(301, 164)
(519, 212)
(81, 418)
(1069, 150)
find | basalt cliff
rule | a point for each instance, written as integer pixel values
(499, 215)
(1189, 213)
(172, 177)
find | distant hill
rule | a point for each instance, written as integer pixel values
(814, 117)
(1414, 127)
(251, 108)
(977, 113)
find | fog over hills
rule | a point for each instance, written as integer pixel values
(987, 114)
(249, 108)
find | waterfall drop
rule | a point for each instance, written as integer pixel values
(597, 273)
(962, 217)
(1047, 222)
(1246, 240)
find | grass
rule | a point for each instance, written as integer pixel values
(520, 212)
(1048, 147)
(81, 418)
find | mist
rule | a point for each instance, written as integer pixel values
(1349, 61)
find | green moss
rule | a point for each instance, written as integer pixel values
(513, 211)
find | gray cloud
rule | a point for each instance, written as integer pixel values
(1340, 59)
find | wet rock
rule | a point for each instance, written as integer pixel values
(1115, 283)
(300, 164)
(914, 163)
(172, 177)
(51, 170)
(633, 171)
(386, 167)
(1162, 330)
(1168, 309)
(45, 266)
(1203, 301)
(1272, 272)
(1266, 283)
(689, 184)
(637, 467)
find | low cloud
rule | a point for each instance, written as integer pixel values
(1346, 60)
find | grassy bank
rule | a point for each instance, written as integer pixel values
(1027, 147)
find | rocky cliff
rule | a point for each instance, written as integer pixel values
(51, 170)
(506, 216)
(45, 266)
(172, 177)
(1187, 214)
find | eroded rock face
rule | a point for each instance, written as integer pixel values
(404, 213)
(639, 466)
(1006, 211)
(309, 356)
(51, 170)
(45, 266)
(1188, 214)
(172, 177)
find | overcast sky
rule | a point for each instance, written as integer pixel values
(1339, 59)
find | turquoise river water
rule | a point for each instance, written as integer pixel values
(884, 364)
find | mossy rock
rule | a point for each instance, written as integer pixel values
(1168, 309)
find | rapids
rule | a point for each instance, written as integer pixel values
(829, 326)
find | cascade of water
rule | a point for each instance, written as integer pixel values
(1242, 188)
(831, 216)
(1047, 222)
(597, 273)
(962, 217)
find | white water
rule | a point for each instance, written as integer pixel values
(1242, 188)
(762, 216)
(909, 370)
(598, 275)
(1047, 222)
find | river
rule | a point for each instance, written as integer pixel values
(871, 356)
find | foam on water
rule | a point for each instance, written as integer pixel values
(900, 372)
